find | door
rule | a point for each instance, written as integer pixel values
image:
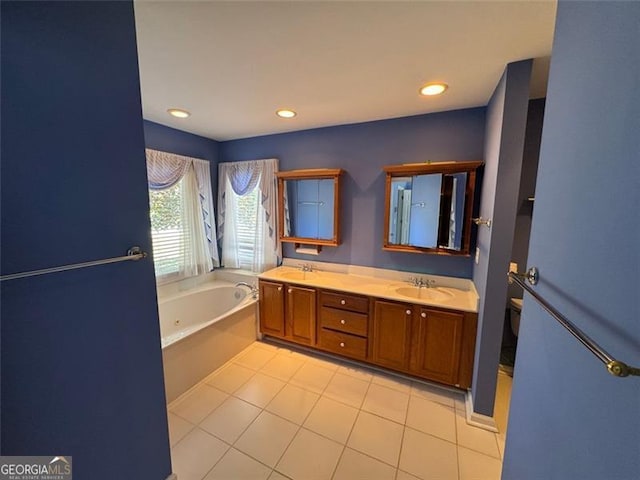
(391, 335)
(437, 343)
(301, 315)
(272, 308)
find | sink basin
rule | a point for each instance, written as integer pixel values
(300, 275)
(436, 294)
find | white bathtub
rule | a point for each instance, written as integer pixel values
(201, 329)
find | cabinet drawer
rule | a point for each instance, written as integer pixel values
(344, 321)
(344, 301)
(343, 343)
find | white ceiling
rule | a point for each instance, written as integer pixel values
(232, 64)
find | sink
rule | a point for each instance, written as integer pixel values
(300, 275)
(436, 294)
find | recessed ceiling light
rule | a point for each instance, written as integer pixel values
(178, 113)
(435, 88)
(285, 113)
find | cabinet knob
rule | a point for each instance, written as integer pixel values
(423, 315)
(343, 322)
(408, 312)
(342, 344)
(279, 289)
(290, 290)
(343, 302)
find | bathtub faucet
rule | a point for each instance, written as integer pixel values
(253, 288)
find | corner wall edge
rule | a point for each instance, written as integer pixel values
(478, 419)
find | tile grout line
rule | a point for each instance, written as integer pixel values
(299, 426)
(404, 429)
(221, 456)
(344, 446)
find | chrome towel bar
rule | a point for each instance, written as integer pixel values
(134, 253)
(614, 367)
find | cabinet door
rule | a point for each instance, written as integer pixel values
(391, 335)
(436, 347)
(272, 308)
(301, 315)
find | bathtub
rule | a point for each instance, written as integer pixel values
(202, 328)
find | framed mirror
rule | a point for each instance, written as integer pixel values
(308, 206)
(428, 207)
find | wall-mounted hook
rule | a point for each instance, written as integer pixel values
(482, 221)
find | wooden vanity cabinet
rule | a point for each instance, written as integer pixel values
(288, 311)
(300, 315)
(343, 326)
(437, 344)
(428, 342)
(391, 334)
(272, 308)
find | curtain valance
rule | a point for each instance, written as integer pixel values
(165, 169)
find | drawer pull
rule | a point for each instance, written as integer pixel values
(423, 315)
(408, 312)
(279, 289)
(343, 322)
(290, 290)
(342, 344)
(343, 302)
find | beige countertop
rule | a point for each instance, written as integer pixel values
(439, 295)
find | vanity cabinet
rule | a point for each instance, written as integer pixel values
(300, 314)
(272, 308)
(391, 335)
(344, 324)
(432, 343)
(437, 345)
(288, 311)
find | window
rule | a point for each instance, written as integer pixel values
(246, 224)
(167, 230)
(247, 214)
(181, 212)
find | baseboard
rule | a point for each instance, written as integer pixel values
(173, 476)
(477, 419)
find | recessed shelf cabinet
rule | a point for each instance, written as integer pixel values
(427, 342)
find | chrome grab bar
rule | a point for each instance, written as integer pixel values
(614, 367)
(134, 253)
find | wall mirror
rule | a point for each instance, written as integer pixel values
(428, 207)
(308, 206)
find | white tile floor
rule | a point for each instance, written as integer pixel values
(272, 413)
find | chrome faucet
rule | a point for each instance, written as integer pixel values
(421, 282)
(253, 288)
(306, 267)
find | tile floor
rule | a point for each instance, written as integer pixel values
(273, 413)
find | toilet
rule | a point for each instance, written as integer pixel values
(516, 308)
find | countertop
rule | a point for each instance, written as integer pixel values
(390, 289)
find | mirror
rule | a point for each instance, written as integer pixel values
(308, 205)
(428, 207)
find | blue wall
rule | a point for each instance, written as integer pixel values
(504, 145)
(167, 139)
(520, 249)
(81, 358)
(362, 150)
(569, 418)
